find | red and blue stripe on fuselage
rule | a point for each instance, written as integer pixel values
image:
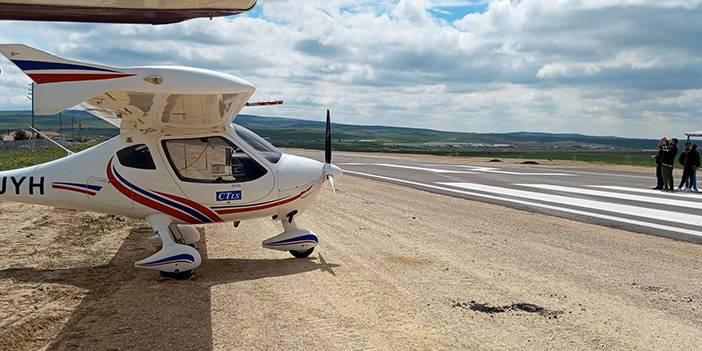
(184, 209)
(87, 189)
(56, 72)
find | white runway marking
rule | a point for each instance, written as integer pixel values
(497, 170)
(663, 215)
(691, 196)
(564, 172)
(615, 195)
(689, 232)
(433, 170)
(612, 174)
(471, 169)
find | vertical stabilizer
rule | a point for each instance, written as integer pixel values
(45, 68)
(60, 83)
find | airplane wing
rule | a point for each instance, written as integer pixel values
(152, 12)
(144, 99)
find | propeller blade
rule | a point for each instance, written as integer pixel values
(330, 178)
(327, 141)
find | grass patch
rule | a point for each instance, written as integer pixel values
(91, 229)
(613, 157)
(14, 160)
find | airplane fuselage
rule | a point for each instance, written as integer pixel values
(195, 179)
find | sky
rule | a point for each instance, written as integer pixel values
(628, 68)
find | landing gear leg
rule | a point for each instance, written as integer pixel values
(298, 241)
(174, 260)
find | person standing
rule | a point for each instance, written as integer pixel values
(685, 180)
(668, 163)
(692, 163)
(658, 156)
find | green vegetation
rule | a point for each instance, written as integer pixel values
(20, 134)
(614, 157)
(91, 229)
(75, 125)
(287, 132)
(13, 160)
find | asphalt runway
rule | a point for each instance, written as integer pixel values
(618, 199)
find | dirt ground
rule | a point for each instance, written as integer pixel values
(397, 269)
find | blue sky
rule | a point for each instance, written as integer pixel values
(453, 13)
(604, 67)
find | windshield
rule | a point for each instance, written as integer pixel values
(270, 152)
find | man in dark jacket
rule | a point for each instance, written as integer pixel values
(685, 180)
(659, 173)
(692, 162)
(667, 164)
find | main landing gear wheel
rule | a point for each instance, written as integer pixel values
(187, 275)
(302, 254)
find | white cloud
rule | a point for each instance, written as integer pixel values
(596, 66)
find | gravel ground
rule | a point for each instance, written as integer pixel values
(397, 269)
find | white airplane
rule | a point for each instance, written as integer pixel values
(178, 161)
(120, 11)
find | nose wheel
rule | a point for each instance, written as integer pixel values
(187, 275)
(298, 241)
(302, 254)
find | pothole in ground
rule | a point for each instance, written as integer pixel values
(515, 307)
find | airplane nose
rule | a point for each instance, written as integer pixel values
(295, 171)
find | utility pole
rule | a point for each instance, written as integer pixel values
(31, 97)
(33, 106)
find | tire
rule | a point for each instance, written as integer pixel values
(302, 254)
(187, 275)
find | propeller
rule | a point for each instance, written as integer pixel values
(327, 141)
(329, 169)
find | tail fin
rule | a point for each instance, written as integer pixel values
(60, 83)
(45, 68)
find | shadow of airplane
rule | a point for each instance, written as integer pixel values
(127, 309)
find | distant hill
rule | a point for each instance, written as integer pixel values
(288, 129)
(303, 133)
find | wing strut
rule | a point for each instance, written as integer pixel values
(52, 140)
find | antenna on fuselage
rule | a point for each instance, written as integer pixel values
(264, 103)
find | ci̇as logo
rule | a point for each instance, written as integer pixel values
(229, 195)
(15, 185)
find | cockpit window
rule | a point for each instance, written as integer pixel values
(137, 156)
(270, 152)
(211, 160)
